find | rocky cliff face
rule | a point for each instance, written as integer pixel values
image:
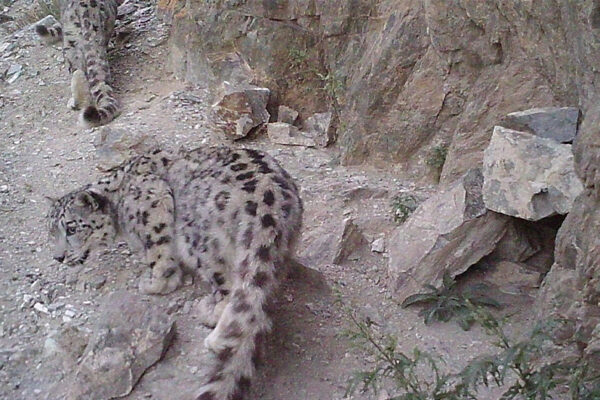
(403, 75)
(406, 76)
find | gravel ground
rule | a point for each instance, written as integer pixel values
(44, 153)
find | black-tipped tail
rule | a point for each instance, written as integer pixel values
(42, 30)
(50, 34)
(92, 116)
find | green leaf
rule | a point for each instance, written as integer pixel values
(418, 298)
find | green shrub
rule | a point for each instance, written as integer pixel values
(403, 205)
(437, 156)
(517, 367)
(444, 303)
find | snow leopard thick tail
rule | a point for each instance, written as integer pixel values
(238, 337)
(105, 105)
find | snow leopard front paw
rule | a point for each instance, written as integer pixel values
(165, 283)
(210, 310)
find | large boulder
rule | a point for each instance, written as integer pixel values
(447, 233)
(527, 176)
(131, 335)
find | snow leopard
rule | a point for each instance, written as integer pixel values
(231, 215)
(85, 29)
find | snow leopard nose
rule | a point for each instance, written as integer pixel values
(60, 259)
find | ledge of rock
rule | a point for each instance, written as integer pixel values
(556, 123)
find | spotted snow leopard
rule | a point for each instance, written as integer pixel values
(85, 29)
(231, 215)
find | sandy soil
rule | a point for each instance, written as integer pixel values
(44, 152)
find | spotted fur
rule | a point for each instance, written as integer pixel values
(85, 29)
(231, 215)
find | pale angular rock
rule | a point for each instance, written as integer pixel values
(114, 145)
(282, 133)
(528, 177)
(318, 127)
(449, 232)
(378, 245)
(287, 115)
(556, 123)
(242, 108)
(130, 337)
(352, 240)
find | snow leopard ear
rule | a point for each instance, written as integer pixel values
(90, 200)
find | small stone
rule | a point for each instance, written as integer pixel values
(97, 282)
(70, 313)
(14, 68)
(114, 145)
(35, 286)
(243, 108)
(383, 395)
(352, 240)
(47, 21)
(378, 245)
(51, 347)
(5, 47)
(41, 308)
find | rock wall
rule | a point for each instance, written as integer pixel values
(572, 288)
(402, 75)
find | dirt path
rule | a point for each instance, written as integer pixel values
(44, 152)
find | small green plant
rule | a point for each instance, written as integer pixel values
(444, 303)
(403, 205)
(417, 375)
(437, 156)
(333, 84)
(517, 367)
(297, 57)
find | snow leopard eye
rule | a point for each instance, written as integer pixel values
(71, 229)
